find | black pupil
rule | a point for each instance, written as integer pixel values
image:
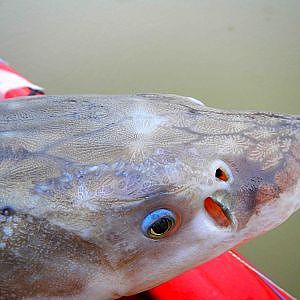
(161, 226)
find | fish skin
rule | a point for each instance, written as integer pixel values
(79, 174)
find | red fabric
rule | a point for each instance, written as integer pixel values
(6, 67)
(224, 277)
(17, 92)
(25, 91)
(227, 277)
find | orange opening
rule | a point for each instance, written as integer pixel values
(217, 212)
(220, 174)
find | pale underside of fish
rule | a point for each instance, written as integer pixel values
(105, 196)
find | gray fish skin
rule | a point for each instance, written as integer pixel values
(78, 175)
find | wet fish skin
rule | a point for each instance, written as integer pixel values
(78, 174)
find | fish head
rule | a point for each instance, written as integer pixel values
(108, 196)
(226, 189)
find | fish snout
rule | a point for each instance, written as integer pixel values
(266, 175)
(274, 187)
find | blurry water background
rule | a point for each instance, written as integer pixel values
(230, 54)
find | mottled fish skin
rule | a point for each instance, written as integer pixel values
(78, 174)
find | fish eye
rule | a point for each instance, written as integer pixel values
(159, 223)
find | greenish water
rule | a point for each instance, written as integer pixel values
(231, 54)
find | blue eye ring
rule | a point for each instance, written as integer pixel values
(159, 223)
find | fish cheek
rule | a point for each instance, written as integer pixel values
(121, 238)
(133, 248)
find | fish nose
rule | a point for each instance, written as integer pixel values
(218, 203)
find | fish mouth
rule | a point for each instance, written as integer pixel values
(219, 212)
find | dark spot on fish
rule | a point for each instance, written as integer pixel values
(7, 211)
(8, 153)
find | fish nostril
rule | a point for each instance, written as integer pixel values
(221, 175)
(218, 212)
